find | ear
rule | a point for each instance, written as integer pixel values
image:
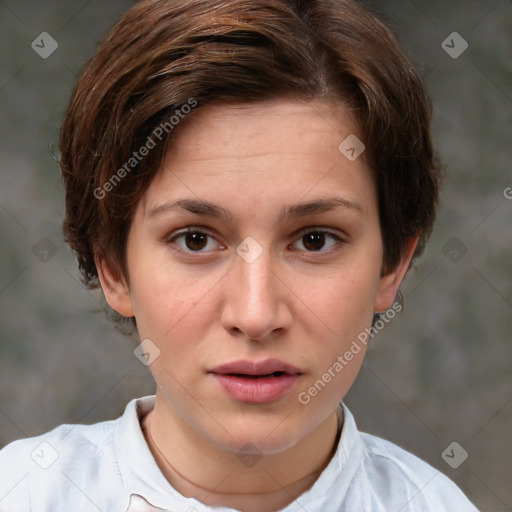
(390, 283)
(115, 287)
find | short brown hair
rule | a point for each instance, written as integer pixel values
(163, 54)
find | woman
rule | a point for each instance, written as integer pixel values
(249, 182)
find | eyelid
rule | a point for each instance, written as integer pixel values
(190, 229)
(340, 238)
(329, 231)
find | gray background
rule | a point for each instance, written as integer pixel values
(441, 373)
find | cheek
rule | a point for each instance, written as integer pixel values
(173, 316)
(342, 300)
(168, 299)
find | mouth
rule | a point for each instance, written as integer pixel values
(255, 369)
(256, 382)
(249, 376)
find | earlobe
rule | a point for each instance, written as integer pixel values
(115, 287)
(390, 283)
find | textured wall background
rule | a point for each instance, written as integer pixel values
(441, 373)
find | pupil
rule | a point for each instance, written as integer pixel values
(314, 241)
(196, 241)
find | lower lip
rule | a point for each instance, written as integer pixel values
(261, 390)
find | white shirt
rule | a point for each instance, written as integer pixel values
(108, 467)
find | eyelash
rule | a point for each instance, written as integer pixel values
(338, 240)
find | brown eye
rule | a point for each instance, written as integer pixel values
(196, 241)
(314, 241)
(193, 241)
(318, 241)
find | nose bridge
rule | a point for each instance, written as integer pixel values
(254, 305)
(254, 269)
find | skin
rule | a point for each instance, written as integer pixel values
(293, 303)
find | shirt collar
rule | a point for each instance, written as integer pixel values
(142, 476)
(139, 471)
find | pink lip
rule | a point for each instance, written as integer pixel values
(262, 387)
(265, 367)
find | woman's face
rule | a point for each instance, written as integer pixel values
(280, 271)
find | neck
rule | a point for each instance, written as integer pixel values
(197, 468)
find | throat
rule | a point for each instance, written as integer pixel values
(264, 487)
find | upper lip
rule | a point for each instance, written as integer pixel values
(266, 367)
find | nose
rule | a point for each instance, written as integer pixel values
(256, 300)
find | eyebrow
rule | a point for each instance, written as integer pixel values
(206, 208)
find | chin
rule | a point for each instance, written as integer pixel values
(259, 436)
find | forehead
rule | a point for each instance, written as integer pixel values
(279, 150)
(248, 130)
